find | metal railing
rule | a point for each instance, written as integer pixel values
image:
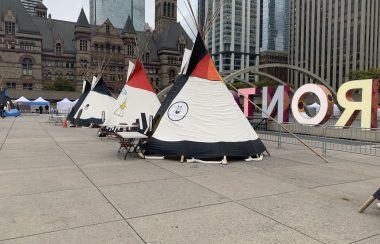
(324, 137)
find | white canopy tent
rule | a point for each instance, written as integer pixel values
(316, 106)
(22, 100)
(65, 106)
(40, 102)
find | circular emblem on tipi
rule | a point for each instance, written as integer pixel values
(178, 111)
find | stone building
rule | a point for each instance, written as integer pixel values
(36, 50)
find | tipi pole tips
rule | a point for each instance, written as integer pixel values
(366, 204)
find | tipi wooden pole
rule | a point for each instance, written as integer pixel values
(366, 204)
(283, 127)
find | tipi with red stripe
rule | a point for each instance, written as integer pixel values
(200, 118)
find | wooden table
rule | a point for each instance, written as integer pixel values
(131, 141)
(110, 130)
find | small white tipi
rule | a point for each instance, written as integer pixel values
(96, 104)
(136, 98)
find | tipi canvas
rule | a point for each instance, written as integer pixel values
(200, 118)
(136, 98)
(85, 90)
(96, 104)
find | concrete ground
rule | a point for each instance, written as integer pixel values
(65, 185)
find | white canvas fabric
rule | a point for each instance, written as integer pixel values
(130, 104)
(185, 61)
(131, 66)
(192, 117)
(94, 82)
(93, 106)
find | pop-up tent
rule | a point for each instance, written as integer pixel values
(200, 118)
(136, 98)
(40, 102)
(316, 106)
(5, 101)
(85, 90)
(65, 106)
(96, 105)
(23, 101)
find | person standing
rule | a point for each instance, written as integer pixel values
(47, 108)
(41, 109)
(1, 111)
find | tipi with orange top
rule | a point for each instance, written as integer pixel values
(200, 118)
(136, 99)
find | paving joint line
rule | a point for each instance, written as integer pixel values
(44, 192)
(6, 137)
(88, 178)
(231, 200)
(60, 230)
(365, 238)
(137, 182)
(179, 210)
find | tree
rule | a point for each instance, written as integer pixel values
(60, 84)
(363, 74)
(264, 83)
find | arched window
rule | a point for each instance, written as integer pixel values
(58, 49)
(169, 14)
(27, 68)
(147, 58)
(164, 8)
(173, 13)
(171, 76)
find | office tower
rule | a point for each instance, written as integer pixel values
(332, 38)
(233, 39)
(117, 11)
(274, 28)
(275, 25)
(30, 4)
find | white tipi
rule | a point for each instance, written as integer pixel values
(136, 98)
(200, 118)
(96, 104)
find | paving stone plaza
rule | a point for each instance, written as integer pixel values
(65, 185)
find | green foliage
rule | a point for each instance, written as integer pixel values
(241, 85)
(362, 74)
(60, 84)
(264, 83)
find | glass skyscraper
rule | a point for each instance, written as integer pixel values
(274, 25)
(117, 12)
(234, 36)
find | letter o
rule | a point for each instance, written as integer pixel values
(326, 104)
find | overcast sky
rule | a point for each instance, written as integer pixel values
(69, 10)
